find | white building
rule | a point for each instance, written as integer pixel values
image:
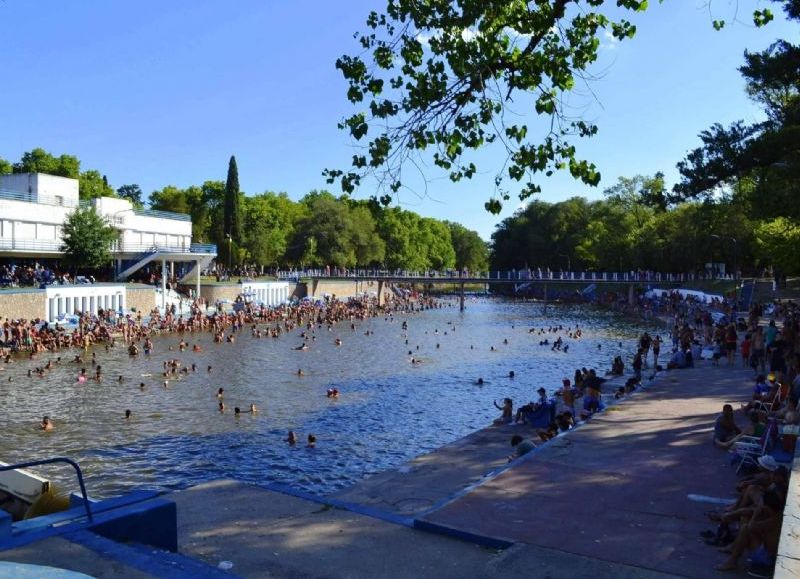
(34, 206)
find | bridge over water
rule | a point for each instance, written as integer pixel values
(519, 278)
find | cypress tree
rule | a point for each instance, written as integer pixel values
(232, 217)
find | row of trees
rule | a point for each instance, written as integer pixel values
(631, 229)
(736, 201)
(271, 230)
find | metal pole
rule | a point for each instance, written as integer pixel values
(197, 296)
(164, 285)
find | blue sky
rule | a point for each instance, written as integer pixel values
(162, 93)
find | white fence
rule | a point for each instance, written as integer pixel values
(63, 301)
(270, 293)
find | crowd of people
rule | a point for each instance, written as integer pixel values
(35, 339)
(752, 522)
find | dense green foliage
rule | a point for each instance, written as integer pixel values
(87, 239)
(435, 81)
(624, 232)
(737, 201)
(132, 193)
(232, 216)
(91, 183)
(321, 230)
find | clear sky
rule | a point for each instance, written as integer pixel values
(162, 93)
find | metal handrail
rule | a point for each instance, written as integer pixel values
(162, 214)
(70, 462)
(27, 197)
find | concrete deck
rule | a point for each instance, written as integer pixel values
(269, 534)
(617, 488)
(427, 480)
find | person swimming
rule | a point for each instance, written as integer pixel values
(291, 438)
(127, 414)
(312, 441)
(46, 424)
(220, 392)
(333, 393)
(253, 409)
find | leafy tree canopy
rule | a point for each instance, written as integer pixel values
(91, 184)
(87, 239)
(40, 161)
(132, 193)
(435, 78)
(760, 161)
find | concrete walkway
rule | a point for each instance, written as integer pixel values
(269, 534)
(617, 488)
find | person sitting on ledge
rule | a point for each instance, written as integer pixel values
(725, 429)
(508, 412)
(760, 535)
(521, 446)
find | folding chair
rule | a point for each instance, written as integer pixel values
(750, 448)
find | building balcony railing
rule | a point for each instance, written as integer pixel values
(203, 248)
(54, 200)
(58, 201)
(54, 246)
(162, 214)
(164, 247)
(50, 245)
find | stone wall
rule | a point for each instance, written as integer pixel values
(142, 299)
(212, 293)
(27, 304)
(341, 289)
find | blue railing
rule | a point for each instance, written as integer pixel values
(68, 461)
(162, 214)
(203, 248)
(54, 246)
(511, 275)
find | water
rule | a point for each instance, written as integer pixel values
(389, 410)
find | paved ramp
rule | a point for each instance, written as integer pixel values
(617, 488)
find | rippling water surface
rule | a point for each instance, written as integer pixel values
(388, 412)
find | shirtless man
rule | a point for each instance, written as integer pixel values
(764, 528)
